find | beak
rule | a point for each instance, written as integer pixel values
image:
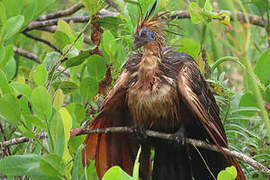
(137, 44)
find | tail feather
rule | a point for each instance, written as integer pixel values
(221, 142)
(171, 163)
(114, 150)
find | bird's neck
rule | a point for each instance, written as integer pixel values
(152, 48)
(149, 68)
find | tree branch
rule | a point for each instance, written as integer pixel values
(26, 54)
(182, 14)
(113, 4)
(62, 13)
(6, 150)
(51, 22)
(253, 19)
(20, 140)
(48, 43)
(171, 137)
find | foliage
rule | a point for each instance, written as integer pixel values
(44, 99)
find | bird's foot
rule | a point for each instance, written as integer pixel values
(140, 134)
(178, 138)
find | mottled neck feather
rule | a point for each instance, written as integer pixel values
(153, 48)
(149, 67)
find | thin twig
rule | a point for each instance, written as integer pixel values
(51, 22)
(188, 2)
(61, 13)
(26, 54)
(171, 137)
(60, 60)
(43, 41)
(253, 19)
(113, 4)
(182, 14)
(6, 150)
(20, 140)
(53, 29)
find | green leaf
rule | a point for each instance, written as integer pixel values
(35, 121)
(61, 39)
(232, 170)
(77, 60)
(14, 25)
(189, 46)
(93, 6)
(13, 7)
(195, 13)
(10, 108)
(10, 69)
(4, 86)
(56, 127)
(50, 59)
(41, 102)
(225, 175)
(22, 88)
(30, 12)
(109, 43)
(208, 5)
(137, 166)
(66, 86)
(229, 173)
(2, 54)
(3, 18)
(64, 27)
(24, 106)
(19, 165)
(262, 68)
(58, 99)
(90, 172)
(8, 54)
(77, 165)
(248, 100)
(96, 66)
(52, 165)
(88, 88)
(43, 5)
(40, 75)
(67, 122)
(78, 111)
(116, 173)
(110, 23)
(79, 44)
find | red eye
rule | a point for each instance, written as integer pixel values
(144, 33)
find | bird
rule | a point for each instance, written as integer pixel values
(163, 90)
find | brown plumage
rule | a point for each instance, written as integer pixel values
(162, 90)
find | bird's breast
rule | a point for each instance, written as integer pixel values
(155, 106)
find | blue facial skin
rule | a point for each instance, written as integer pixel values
(142, 38)
(146, 35)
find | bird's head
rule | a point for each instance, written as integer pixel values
(143, 36)
(149, 30)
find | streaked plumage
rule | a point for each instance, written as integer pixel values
(162, 90)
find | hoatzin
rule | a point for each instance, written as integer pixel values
(163, 90)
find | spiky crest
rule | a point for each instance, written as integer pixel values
(154, 23)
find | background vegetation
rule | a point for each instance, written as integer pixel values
(52, 78)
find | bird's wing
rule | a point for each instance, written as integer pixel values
(114, 149)
(197, 96)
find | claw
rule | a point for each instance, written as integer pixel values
(178, 137)
(140, 133)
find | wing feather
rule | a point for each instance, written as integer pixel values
(114, 149)
(198, 97)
